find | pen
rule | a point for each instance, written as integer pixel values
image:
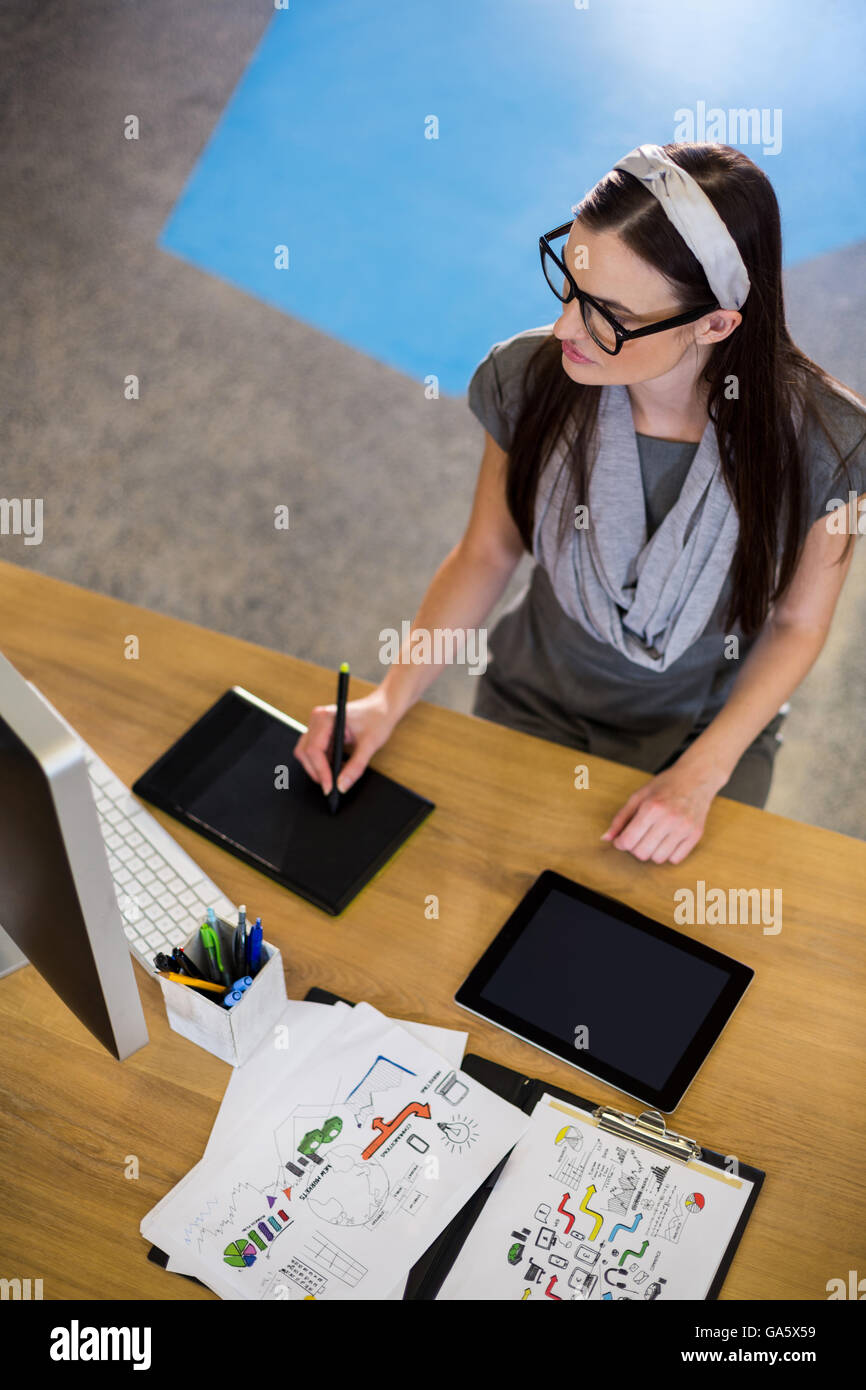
(240, 941)
(196, 984)
(339, 734)
(255, 948)
(189, 966)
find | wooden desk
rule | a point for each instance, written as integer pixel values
(783, 1089)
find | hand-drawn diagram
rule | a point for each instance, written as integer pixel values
(361, 1194)
(346, 1171)
(559, 1242)
(383, 1075)
(619, 1198)
(452, 1089)
(459, 1133)
(325, 1253)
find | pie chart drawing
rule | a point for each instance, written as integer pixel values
(240, 1254)
(695, 1201)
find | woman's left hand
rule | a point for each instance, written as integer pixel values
(664, 820)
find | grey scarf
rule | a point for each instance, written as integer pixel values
(650, 599)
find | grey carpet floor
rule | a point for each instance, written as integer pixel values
(168, 501)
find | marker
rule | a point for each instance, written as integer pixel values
(233, 997)
(210, 942)
(339, 734)
(212, 923)
(255, 948)
(243, 983)
(239, 944)
(196, 984)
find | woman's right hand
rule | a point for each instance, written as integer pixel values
(369, 723)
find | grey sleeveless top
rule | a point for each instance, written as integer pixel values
(548, 676)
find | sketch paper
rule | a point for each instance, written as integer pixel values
(303, 1028)
(578, 1213)
(305, 1025)
(361, 1161)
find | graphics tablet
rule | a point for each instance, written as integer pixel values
(608, 990)
(223, 777)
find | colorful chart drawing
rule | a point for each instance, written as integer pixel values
(696, 1201)
(240, 1254)
(584, 1206)
(383, 1075)
(570, 1136)
(620, 1227)
(414, 1107)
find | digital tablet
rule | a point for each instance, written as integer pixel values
(608, 990)
(233, 778)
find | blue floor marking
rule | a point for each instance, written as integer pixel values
(421, 253)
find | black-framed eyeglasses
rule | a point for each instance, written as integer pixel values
(602, 327)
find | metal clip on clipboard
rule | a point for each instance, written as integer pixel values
(648, 1129)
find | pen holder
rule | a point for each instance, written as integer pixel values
(232, 1034)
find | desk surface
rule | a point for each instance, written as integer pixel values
(783, 1089)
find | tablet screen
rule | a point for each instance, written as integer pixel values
(234, 778)
(609, 990)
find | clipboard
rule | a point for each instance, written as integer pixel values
(647, 1129)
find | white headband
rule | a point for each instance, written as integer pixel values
(691, 212)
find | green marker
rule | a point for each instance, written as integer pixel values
(211, 943)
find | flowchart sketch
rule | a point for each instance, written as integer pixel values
(588, 1240)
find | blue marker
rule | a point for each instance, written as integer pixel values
(243, 983)
(233, 997)
(255, 948)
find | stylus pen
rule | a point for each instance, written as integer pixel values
(339, 734)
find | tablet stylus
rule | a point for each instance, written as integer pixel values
(339, 734)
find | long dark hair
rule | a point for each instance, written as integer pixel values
(761, 457)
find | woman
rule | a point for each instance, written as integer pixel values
(681, 473)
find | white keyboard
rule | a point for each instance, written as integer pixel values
(162, 893)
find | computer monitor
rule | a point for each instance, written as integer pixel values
(57, 897)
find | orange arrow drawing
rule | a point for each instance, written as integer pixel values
(386, 1130)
